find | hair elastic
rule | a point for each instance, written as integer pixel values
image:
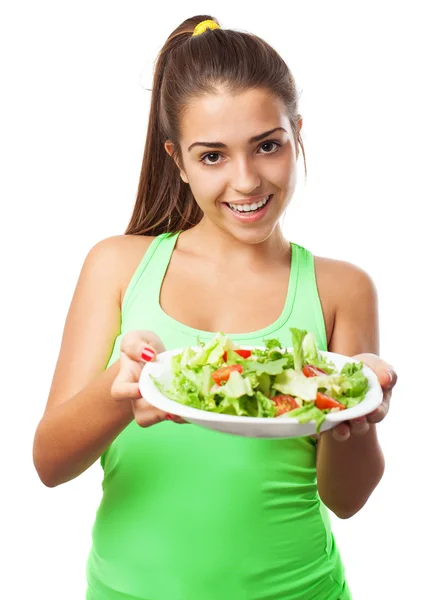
(204, 25)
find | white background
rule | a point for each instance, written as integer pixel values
(73, 124)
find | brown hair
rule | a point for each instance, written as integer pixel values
(187, 67)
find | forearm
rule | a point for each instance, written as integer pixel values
(348, 471)
(73, 435)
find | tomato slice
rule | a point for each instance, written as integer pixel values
(284, 403)
(323, 401)
(310, 371)
(223, 374)
(242, 353)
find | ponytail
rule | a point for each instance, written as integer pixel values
(164, 202)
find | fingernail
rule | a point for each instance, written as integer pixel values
(168, 417)
(139, 391)
(341, 436)
(148, 353)
(391, 376)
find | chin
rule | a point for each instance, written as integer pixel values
(251, 235)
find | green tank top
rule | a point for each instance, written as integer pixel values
(193, 514)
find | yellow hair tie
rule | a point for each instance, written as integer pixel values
(203, 26)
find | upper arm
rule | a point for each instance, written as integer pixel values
(92, 323)
(356, 325)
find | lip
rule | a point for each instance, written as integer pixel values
(250, 218)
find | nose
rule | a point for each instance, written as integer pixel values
(245, 177)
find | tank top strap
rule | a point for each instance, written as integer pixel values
(307, 304)
(156, 260)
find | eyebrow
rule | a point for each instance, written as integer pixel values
(256, 138)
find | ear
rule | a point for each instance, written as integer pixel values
(170, 149)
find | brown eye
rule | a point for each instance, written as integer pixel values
(211, 158)
(269, 147)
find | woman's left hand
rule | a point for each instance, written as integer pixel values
(387, 378)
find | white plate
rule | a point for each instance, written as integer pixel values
(278, 427)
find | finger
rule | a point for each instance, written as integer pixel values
(390, 380)
(385, 372)
(124, 390)
(359, 427)
(384, 405)
(341, 432)
(380, 413)
(141, 345)
(145, 414)
(130, 370)
(174, 418)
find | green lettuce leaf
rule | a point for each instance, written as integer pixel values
(273, 367)
(296, 384)
(308, 412)
(298, 336)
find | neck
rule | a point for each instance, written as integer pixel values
(220, 246)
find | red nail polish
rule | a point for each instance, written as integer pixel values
(148, 354)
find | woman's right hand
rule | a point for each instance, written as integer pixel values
(136, 348)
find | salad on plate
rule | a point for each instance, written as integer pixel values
(267, 382)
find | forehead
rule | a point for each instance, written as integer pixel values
(232, 117)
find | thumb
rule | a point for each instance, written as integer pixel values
(141, 345)
(125, 384)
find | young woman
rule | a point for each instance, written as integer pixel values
(188, 513)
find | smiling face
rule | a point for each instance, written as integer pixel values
(238, 155)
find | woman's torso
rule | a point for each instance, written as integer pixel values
(188, 513)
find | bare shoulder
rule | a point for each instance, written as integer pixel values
(122, 247)
(339, 275)
(350, 295)
(122, 255)
(93, 319)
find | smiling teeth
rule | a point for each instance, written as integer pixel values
(249, 207)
